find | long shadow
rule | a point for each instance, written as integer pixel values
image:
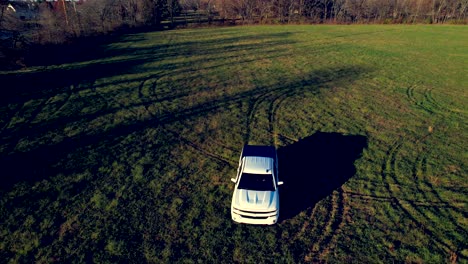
(39, 161)
(24, 86)
(82, 48)
(314, 167)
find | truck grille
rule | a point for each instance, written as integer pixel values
(252, 212)
(254, 217)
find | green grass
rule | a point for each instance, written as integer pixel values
(127, 155)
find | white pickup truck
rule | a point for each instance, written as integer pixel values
(256, 197)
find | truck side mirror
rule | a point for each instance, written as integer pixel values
(233, 180)
(280, 183)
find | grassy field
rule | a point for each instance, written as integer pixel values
(127, 153)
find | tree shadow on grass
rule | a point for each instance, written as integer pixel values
(110, 62)
(41, 160)
(315, 166)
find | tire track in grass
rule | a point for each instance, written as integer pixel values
(440, 209)
(20, 131)
(441, 202)
(367, 197)
(152, 97)
(197, 147)
(151, 88)
(51, 107)
(340, 223)
(154, 78)
(60, 106)
(32, 112)
(48, 121)
(39, 109)
(374, 198)
(102, 97)
(177, 135)
(195, 110)
(287, 139)
(8, 117)
(75, 90)
(273, 100)
(254, 105)
(336, 223)
(336, 213)
(429, 97)
(441, 213)
(389, 174)
(319, 249)
(273, 114)
(411, 97)
(147, 88)
(413, 213)
(305, 225)
(425, 100)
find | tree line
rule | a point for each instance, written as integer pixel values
(54, 21)
(346, 11)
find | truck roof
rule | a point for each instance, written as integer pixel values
(258, 165)
(259, 151)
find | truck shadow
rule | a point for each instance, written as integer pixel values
(315, 166)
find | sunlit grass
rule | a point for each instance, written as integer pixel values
(128, 156)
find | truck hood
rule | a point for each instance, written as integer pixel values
(255, 200)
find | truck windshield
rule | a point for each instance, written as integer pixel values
(257, 182)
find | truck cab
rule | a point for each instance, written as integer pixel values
(256, 195)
